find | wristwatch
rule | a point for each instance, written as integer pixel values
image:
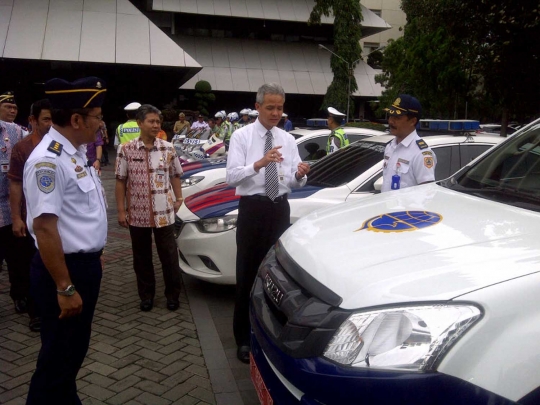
(68, 292)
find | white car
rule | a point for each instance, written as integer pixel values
(200, 176)
(206, 223)
(425, 295)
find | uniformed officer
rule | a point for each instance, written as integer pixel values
(244, 117)
(66, 216)
(337, 138)
(408, 160)
(225, 127)
(128, 130)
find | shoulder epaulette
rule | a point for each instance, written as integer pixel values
(55, 147)
(422, 144)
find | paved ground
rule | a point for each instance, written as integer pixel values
(158, 357)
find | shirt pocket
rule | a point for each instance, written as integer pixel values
(87, 199)
(405, 173)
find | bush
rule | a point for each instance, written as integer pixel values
(203, 86)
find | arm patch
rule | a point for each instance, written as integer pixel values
(55, 148)
(422, 144)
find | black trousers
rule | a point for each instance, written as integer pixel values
(64, 342)
(18, 253)
(260, 224)
(141, 243)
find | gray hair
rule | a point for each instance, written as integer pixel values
(146, 109)
(269, 88)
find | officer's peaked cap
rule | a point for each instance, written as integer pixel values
(132, 106)
(88, 92)
(405, 104)
(7, 97)
(335, 113)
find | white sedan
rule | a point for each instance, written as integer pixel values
(204, 174)
(206, 223)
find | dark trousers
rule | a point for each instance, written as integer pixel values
(260, 224)
(141, 243)
(64, 343)
(18, 253)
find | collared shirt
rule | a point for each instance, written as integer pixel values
(247, 147)
(150, 197)
(57, 181)
(179, 126)
(19, 155)
(91, 152)
(10, 134)
(411, 159)
(198, 124)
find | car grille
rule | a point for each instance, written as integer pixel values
(299, 314)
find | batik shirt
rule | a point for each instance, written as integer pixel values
(150, 197)
(10, 134)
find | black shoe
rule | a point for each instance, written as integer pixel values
(21, 306)
(243, 354)
(147, 305)
(35, 324)
(173, 305)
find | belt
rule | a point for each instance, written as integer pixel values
(264, 198)
(84, 255)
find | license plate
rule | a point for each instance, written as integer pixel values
(260, 387)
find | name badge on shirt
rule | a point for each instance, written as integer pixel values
(4, 164)
(281, 174)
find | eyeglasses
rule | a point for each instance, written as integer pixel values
(98, 117)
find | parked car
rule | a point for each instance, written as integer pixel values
(201, 176)
(206, 223)
(425, 295)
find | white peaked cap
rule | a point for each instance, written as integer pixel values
(283, 115)
(132, 106)
(335, 112)
(254, 113)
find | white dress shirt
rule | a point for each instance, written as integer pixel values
(62, 185)
(412, 159)
(198, 124)
(247, 147)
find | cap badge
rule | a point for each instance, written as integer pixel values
(397, 102)
(98, 85)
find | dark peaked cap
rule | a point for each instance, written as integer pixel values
(88, 92)
(7, 97)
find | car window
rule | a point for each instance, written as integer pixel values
(469, 152)
(346, 164)
(510, 174)
(445, 156)
(313, 148)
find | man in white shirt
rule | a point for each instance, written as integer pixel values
(200, 123)
(264, 165)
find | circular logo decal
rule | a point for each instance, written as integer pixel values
(401, 221)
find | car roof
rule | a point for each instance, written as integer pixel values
(443, 139)
(303, 133)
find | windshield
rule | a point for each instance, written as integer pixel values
(510, 174)
(346, 164)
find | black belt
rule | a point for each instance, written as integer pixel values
(264, 198)
(84, 255)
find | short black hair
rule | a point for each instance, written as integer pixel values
(62, 117)
(38, 106)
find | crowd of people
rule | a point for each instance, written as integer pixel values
(53, 208)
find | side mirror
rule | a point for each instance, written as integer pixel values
(377, 186)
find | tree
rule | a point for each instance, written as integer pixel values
(458, 53)
(204, 96)
(347, 33)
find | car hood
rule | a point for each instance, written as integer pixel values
(222, 200)
(417, 244)
(193, 168)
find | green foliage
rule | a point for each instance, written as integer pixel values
(204, 97)
(169, 114)
(475, 53)
(347, 33)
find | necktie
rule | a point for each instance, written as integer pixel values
(271, 183)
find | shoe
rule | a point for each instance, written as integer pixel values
(35, 324)
(21, 306)
(147, 305)
(243, 353)
(173, 305)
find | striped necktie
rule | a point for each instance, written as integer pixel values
(271, 183)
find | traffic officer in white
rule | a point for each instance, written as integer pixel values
(67, 219)
(408, 160)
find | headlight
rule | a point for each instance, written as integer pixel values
(406, 338)
(220, 224)
(190, 181)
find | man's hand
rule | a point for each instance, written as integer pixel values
(273, 155)
(122, 219)
(177, 204)
(97, 165)
(19, 228)
(70, 306)
(303, 169)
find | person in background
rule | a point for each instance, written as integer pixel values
(199, 123)
(181, 124)
(213, 126)
(67, 217)
(264, 165)
(40, 121)
(253, 116)
(337, 138)
(128, 130)
(105, 138)
(408, 160)
(9, 110)
(244, 118)
(148, 195)
(161, 134)
(287, 124)
(94, 150)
